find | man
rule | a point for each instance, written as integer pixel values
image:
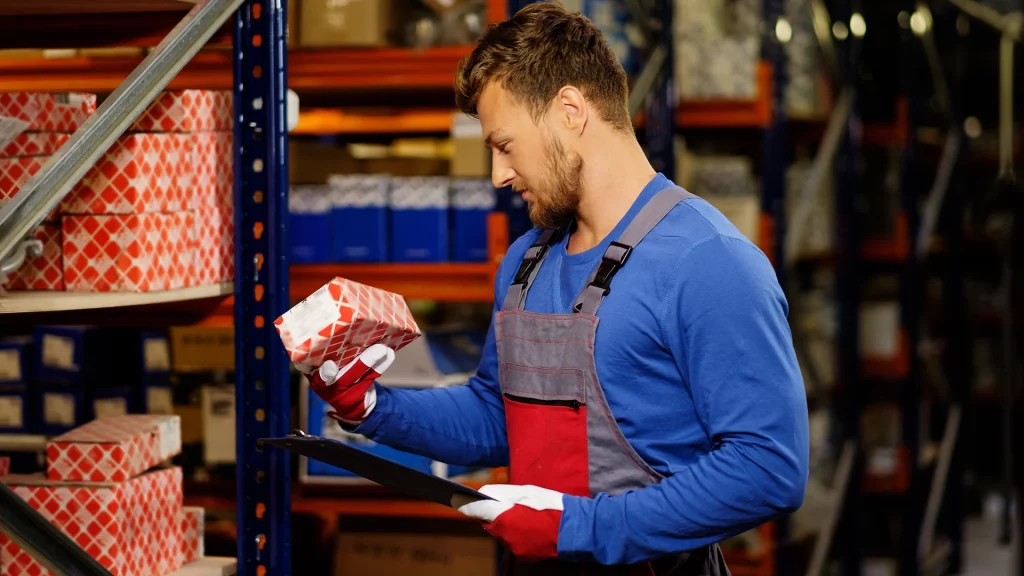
(639, 377)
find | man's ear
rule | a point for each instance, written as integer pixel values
(572, 109)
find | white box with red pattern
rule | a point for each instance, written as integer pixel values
(45, 272)
(193, 531)
(132, 528)
(48, 112)
(113, 449)
(343, 318)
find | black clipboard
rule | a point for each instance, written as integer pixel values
(380, 470)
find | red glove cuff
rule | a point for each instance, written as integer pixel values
(531, 535)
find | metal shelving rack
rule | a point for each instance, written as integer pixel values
(261, 287)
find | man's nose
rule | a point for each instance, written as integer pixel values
(502, 174)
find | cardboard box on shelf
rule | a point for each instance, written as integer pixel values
(202, 348)
(34, 144)
(326, 23)
(59, 408)
(156, 355)
(470, 157)
(115, 253)
(15, 172)
(132, 528)
(419, 219)
(309, 220)
(405, 167)
(113, 449)
(218, 424)
(214, 240)
(313, 162)
(15, 360)
(343, 318)
(193, 523)
(420, 554)
(111, 402)
(14, 409)
(139, 173)
(358, 219)
(45, 272)
(177, 111)
(472, 200)
(48, 112)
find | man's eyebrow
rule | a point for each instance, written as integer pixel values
(494, 135)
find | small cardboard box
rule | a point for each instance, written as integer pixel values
(15, 360)
(113, 449)
(358, 553)
(58, 408)
(343, 318)
(202, 348)
(132, 528)
(34, 144)
(45, 272)
(356, 23)
(14, 409)
(193, 523)
(48, 112)
(177, 111)
(140, 173)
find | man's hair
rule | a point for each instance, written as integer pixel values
(539, 51)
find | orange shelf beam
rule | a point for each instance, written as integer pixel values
(309, 70)
(895, 249)
(329, 121)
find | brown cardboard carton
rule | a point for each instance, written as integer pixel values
(202, 348)
(420, 554)
(326, 23)
(312, 162)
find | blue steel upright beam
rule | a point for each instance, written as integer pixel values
(660, 108)
(261, 287)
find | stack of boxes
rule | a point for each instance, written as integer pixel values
(380, 218)
(63, 376)
(107, 488)
(153, 213)
(47, 120)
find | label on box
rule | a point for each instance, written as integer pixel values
(159, 400)
(105, 407)
(157, 354)
(9, 128)
(59, 409)
(170, 437)
(219, 424)
(59, 352)
(10, 365)
(310, 313)
(11, 410)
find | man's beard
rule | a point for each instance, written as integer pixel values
(557, 199)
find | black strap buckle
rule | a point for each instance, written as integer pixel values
(610, 265)
(529, 262)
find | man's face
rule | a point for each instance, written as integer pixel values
(530, 157)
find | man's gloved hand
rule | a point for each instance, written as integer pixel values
(525, 519)
(349, 390)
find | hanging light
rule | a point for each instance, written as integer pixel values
(858, 27)
(783, 30)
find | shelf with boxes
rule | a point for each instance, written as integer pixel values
(149, 223)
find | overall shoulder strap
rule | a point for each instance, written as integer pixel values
(515, 297)
(615, 256)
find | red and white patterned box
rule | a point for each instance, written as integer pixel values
(113, 449)
(212, 173)
(177, 111)
(193, 531)
(48, 112)
(45, 272)
(132, 528)
(34, 144)
(139, 173)
(223, 110)
(214, 245)
(5, 465)
(115, 253)
(182, 255)
(343, 318)
(15, 172)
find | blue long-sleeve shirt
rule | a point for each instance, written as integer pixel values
(695, 356)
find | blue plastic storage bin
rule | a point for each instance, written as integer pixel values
(309, 209)
(359, 218)
(471, 201)
(419, 219)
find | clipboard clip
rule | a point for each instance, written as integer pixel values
(299, 434)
